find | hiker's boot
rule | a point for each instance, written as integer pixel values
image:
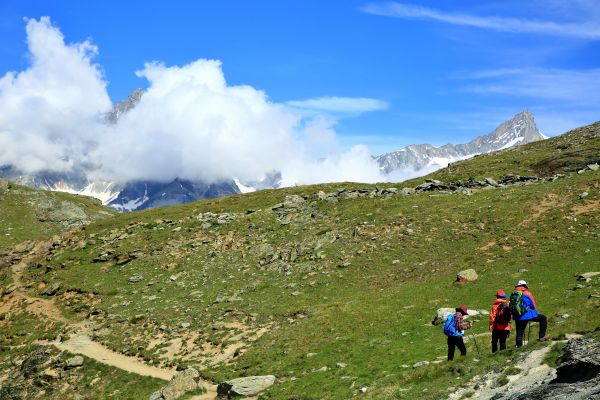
(545, 338)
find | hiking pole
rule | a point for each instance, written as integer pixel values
(529, 333)
(475, 340)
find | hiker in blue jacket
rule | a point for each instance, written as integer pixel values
(454, 328)
(529, 313)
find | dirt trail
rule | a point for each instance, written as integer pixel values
(532, 373)
(80, 342)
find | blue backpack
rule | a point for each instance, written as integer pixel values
(450, 326)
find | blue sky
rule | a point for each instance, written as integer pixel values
(389, 73)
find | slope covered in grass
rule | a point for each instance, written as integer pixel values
(31, 214)
(263, 283)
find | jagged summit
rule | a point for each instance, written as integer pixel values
(520, 129)
(122, 107)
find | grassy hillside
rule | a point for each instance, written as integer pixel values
(30, 214)
(246, 285)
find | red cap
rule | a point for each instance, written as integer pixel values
(500, 293)
(463, 310)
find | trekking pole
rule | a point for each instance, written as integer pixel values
(529, 332)
(475, 340)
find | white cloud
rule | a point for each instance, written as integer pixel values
(47, 110)
(189, 124)
(586, 29)
(578, 86)
(339, 105)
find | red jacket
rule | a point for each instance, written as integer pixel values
(493, 325)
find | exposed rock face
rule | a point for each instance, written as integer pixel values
(577, 377)
(249, 386)
(468, 275)
(122, 107)
(518, 130)
(179, 385)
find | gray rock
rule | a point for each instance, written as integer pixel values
(594, 167)
(249, 386)
(583, 195)
(76, 361)
(420, 364)
(180, 384)
(491, 182)
(294, 201)
(407, 191)
(52, 290)
(468, 275)
(135, 279)
(341, 365)
(587, 277)
(442, 314)
(322, 369)
(185, 325)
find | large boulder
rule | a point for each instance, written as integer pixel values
(249, 386)
(468, 275)
(181, 383)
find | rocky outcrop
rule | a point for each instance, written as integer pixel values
(182, 383)
(577, 377)
(249, 386)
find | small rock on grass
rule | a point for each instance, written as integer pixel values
(76, 361)
(420, 364)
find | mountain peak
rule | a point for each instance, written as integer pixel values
(122, 107)
(519, 129)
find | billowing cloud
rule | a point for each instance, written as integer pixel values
(190, 123)
(587, 29)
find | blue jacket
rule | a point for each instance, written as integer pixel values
(529, 305)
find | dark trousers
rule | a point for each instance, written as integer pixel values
(453, 342)
(499, 336)
(521, 325)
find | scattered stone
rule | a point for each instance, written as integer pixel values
(594, 167)
(52, 290)
(73, 362)
(491, 182)
(309, 355)
(442, 314)
(341, 365)
(294, 201)
(185, 325)
(420, 364)
(363, 389)
(176, 229)
(249, 386)
(322, 369)
(587, 277)
(583, 195)
(468, 275)
(135, 279)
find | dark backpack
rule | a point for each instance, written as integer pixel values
(517, 308)
(450, 326)
(503, 314)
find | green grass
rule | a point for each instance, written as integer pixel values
(362, 287)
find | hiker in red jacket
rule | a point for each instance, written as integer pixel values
(500, 321)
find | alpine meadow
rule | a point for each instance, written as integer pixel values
(388, 222)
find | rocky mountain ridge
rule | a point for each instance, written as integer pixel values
(518, 130)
